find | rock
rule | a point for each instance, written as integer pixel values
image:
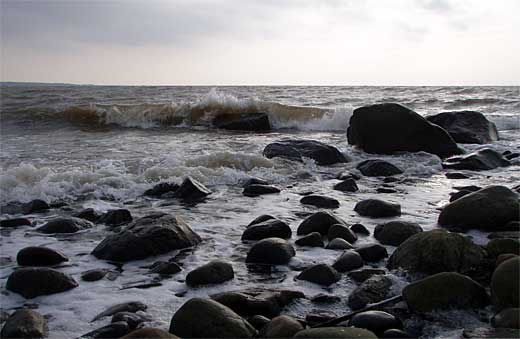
(257, 301)
(16, 222)
(258, 321)
(116, 217)
(490, 208)
(255, 181)
(348, 261)
(191, 190)
(375, 208)
(495, 247)
(325, 299)
(436, 251)
(214, 272)
(250, 121)
(256, 190)
(446, 290)
(25, 323)
(165, 268)
(490, 333)
(271, 251)
(317, 316)
(113, 330)
(378, 168)
(152, 235)
(372, 290)
(339, 244)
(388, 128)
(359, 229)
(459, 194)
(88, 214)
(311, 240)
(65, 225)
(385, 190)
(395, 333)
(456, 175)
(132, 319)
(281, 327)
(131, 307)
(504, 284)
(396, 232)
(347, 176)
(33, 282)
(336, 332)
(507, 318)
(503, 257)
(320, 201)
(321, 274)
(363, 274)
(341, 231)
(372, 253)
(319, 222)
(271, 228)
(504, 235)
(260, 219)
(149, 333)
(348, 185)
(35, 206)
(94, 275)
(162, 188)
(206, 318)
(466, 127)
(39, 256)
(513, 226)
(375, 321)
(481, 160)
(296, 149)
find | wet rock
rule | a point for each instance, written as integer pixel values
(88, 214)
(319, 222)
(436, 251)
(39, 256)
(206, 318)
(490, 208)
(16, 222)
(281, 327)
(256, 190)
(271, 251)
(131, 306)
(372, 290)
(250, 122)
(257, 301)
(348, 185)
(456, 175)
(320, 201)
(459, 194)
(378, 168)
(512, 226)
(296, 149)
(375, 208)
(35, 206)
(341, 231)
(359, 229)
(255, 181)
(321, 274)
(336, 332)
(490, 333)
(191, 190)
(116, 217)
(504, 284)
(65, 225)
(388, 128)
(481, 160)
(507, 318)
(258, 321)
(396, 232)
(214, 272)
(162, 188)
(375, 321)
(385, 190)
(325, 299)
(132, 319)
(166, 268)
(348, 261)
(394, 333)
(25, 323)
(317, 316)
(496, 247)
(446, 290)
(364, 274)
(33, 282)
(151, 235)
(372, 253)
(504, 235)
(347, 176)
(149, 333)
(94, 275)
(339, 244)
(271, 228)
(503, 257)
(262, 218)
(466, 127)
(113, 330)
(3, 316)
(311, 240)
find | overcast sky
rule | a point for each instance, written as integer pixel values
(271, 42)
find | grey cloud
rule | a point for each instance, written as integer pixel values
(440, 6)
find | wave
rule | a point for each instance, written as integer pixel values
(469, 102)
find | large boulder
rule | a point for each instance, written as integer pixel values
(490, 209)
(321, 274)
(504, 284)
(374, 289)
(436, 251)
(191, 190)
(267, 229)
(336, 332)
(319, 222)
(253, 122)
(33, 282)
(322, 153)
(481, 160)
(389, 127)
(378, 168)
(206, 318)
(375, 321)
(151, 235)
(375, 208)
(65, 225)
(25, 323)
(39, 256)
(395, 232)
(466, 127)
(444, 290)
(214, 272)
(271, 251)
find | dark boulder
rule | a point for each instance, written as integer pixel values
(260, 219)
(498, 246)
(348, 261)
(151, 235)
(336, 332)
(375, 321)
(94, 274)
(347, 185)
(321, 274)
(504, 284)
(318, 222)
(507, 318)
(481, 160)
(214, 272)
(389, 127)
(33, 282)
(375, 208)
(365, 273)
(149, 333)
(88, 214)
(271, 228)
(319, 201)
(395, 232)
(162, 188)
(39, 256)
(456, 175)
(281, 327)
(16, 222)
(271, 251)
(378, 168)
(466, 127)
(372, 253)
(296, 149)
(35, 206)
(191, 190)
(343, 232)
(256, 190)
(372, 290)
(165, 268)
(25, 323)
(116, 217)
(359, 229)
(113, 330)
(311, 240)
(339, 244)
(65, 225)
(250, 122)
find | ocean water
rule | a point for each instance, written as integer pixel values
(103, 146)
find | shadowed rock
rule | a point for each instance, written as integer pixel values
(466, 127)
(296, 149)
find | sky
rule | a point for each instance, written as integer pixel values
(261, 42)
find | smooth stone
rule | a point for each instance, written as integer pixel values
(116, 217)
(281, 327)
(456, 175)
(132, 319)
(321, 274)
(149, 333)
(498, 246)
(372, 253)
(258, 321)
(16, 222)
(394, 233)
(364, 274)
(113, 330)
(33, 282)
(336, 332)
(466, 127)
(375, 208)
(348, 261)
(191, 190)
(256, 190)
(214, 272)
(88, 214)
(481, 160)
(504, 284)
(320, 201)
(296, 149)
(165, 268)
(39, 256)
(271, 251)
(131, 306)
(94, 275)
(378, 168)
(507, 318)
(311, 240)
(359, 229)
(65, 225)
(374, 289)
(260, 219)
(347, 185)
(319, 222)
(161, 188)
(343, 232)
(271, 228)
(375, 321)
(25, 323)
(339, 244)
(244, 121)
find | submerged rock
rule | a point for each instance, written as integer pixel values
(39, 256)
(25, 323)
(33, 282)
(378, 168)
(116, 217)
(94, 275)
(191, 190)
(466, 127)
(372, 290)
(271, 228)
(321, 274)
(320, 201)
(504, 284)
(256, 190)
(319, 222)
(271, 251)
(65, 225)
(35, 206)
(214, 272)
(347, 185)
(481, 160)
(375, 208)
(395, 232)
(251, 122)
(322, 153)
(388, 128)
